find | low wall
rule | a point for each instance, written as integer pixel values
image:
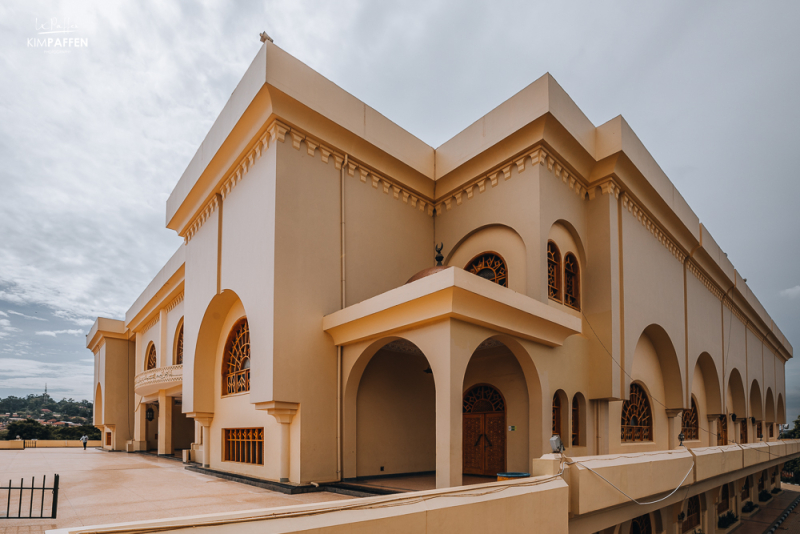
(46, 444)
(520, 506)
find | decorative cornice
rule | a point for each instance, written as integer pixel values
(652, 227)
(198, 222)
(736, 311)
(175, 302)
(536, 155)
(711, 286)
(151, 324)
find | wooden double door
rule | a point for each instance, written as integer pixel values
(484, 431)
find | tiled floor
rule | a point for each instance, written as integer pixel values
(100, 487)
(416, 482)
(760, 522)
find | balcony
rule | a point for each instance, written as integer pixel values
(150, 382)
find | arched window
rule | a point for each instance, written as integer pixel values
(692, 519)
(743, 431)
(722, 430)
(691, 428)
(771, 427)
(556, 415)
(572, 282)
(179, 347)
(762, 482)
(641, 525)
(150, 362)
(759, 431)
(236, 360)
(491, 266)
(745, 496)
(724, 500)
(576, 421)
(637, 419)
(553, 272)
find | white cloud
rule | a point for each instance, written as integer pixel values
(67, 379)
(25, 316)
(54, 333)
(5, 326)
(791, 293)
(3, 314)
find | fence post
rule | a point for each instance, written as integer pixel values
(55, 496)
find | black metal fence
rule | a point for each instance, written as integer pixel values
(24, 499)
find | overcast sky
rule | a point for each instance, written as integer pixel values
(93, 139)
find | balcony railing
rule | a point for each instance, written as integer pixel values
(153, 380)
(237, 382)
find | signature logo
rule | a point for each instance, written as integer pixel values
(54, 34)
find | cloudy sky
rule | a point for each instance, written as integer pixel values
(93, 139)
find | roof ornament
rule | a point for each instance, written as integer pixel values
(439, 256)
(265, 37)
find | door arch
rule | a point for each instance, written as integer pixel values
(484, 431)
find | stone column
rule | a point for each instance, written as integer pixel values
(603, 429)
(164, 422)
(207, 444)
(449, 452)
(713, 429)
(283, 412)
(140, 428)
(204, 419)
(674, 426)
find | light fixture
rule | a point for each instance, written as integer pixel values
(753, 420)
(556, 445)
(149, 414)
(428, 370)
(681, 437)
(733, 417)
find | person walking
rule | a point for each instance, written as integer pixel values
(85, 440)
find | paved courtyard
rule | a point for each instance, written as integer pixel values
(99, 487)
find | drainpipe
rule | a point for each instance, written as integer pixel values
(339, 352)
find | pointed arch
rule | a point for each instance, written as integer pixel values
(711, 381)
(691, 423)
(150, 358)
(756, 407)
(769, 411)
(736, 396)
(668, 364)
(177, 358)
(781, 415)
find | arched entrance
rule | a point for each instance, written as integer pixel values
(642, 525)
(484, 431)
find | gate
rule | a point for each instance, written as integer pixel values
(22, 496)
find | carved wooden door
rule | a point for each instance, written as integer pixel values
(484, 432)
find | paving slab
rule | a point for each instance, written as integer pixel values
(99, 487)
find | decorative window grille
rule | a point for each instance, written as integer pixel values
(553, 272)
(759, 431)
(556, 415)
(743, 431)
(151, 358)
(745, 495)
(724, 500)
(108, 438)
(243, 445)
(637, 418)
(641, 525)
(576, 424)
(762, 481)
(722, 430)
(490, 266)
(236, 361)
(771, 427)
(691, 428)
(482, 399)
(179, 348)
(572, 282)
(692, 514)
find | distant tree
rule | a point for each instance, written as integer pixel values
(28, 429)
(76, 432)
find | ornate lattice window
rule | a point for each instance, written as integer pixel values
(179, 348)
(236, 361)
(150, 361)
(482, 399)
(691, 427)
(724, 500)
(743, 431)
(637, 418)
(771, 427)
(692, 519)
(576, 421)
(490, 266)
(722, 430)
(641, 525)
(745, 495)
(243, 445)
(556, 415)
(759, 431)
(553, 272)
(572, 282)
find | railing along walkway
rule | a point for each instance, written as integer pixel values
(24, 497)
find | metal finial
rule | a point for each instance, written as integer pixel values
(439, 256)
